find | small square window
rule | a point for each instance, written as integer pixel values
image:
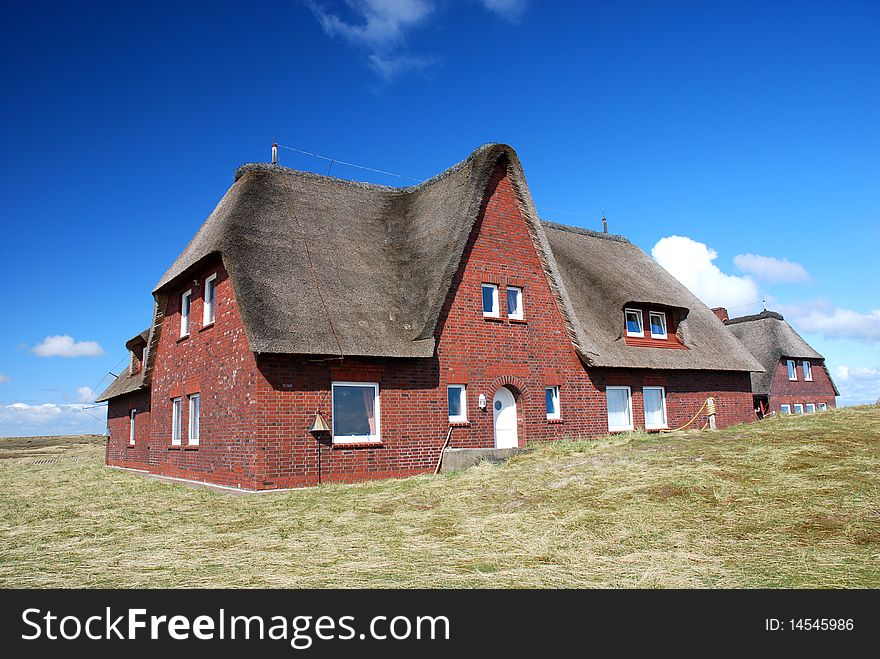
(209, 310)
(634, 322)
(514, 302)
(785, 409)
(457, 403)
(798, 408)
(823, 407)
(657, 321)
(185, 304)
(811, 408)
(808, 371)
(792, 370)
(551, 395)
(176, 420)
(195, 404)
(490, 300)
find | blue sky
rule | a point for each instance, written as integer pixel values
(710, 133)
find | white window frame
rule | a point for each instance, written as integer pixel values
(554, 394)
(144, 357)
(209, 311)
(495, 312)
(185, 318)
(376, 437)
(638, 313)
(662, 316)
(519, 297)
(462, 401)
(791, 365)
(629, 403)
(176, 421)
(665, 423)
(794, 408)
(808, 370)
(822, 407)
(132, 414)
(807, 407)
(195, 422)
(785, 408)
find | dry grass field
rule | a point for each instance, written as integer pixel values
(788, 502)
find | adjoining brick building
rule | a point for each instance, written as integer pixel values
(395, 314)
(795, 379)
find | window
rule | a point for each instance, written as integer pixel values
(792, 370)
(195, 406)
(798, 408)
(131, 416)
(208, 311)
(490, 300)
(552, 397)
(355, 412)
(144, 357)
(811, 408)
(657, 320)
(185, 303)
(655, 407)
(785, 409)
(457, 403)
(808, 371)
(514, 302)
(823, 407)
(634, 322)
(619, 408)
(176, 420)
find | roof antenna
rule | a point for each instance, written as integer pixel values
(604, 222)
(275, 151)
(764, 302)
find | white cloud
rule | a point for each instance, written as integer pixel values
(509, 9)
(821, 317)
(23, 420)
(858, 385)
(691, 262)
(65, 346)
(85, 394)
(389, 67)
(771, 269)
(380, 23)
(4, 378)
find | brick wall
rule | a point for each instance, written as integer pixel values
(120, 451)
(783, 391)
(256, 411)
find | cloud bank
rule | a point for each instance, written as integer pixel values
(65, 346)
(771, 269)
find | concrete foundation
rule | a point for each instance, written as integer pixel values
(459, 459)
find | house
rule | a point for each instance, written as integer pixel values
(795, 379)
(398, 316)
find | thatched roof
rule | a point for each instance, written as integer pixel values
(385, 258)
(769, 338)
(603, 273)
(125, 383)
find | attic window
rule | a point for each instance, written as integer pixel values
(634, 322)
(185, 304)
(490, 301)
(792, 370)
(209, 312)
(514, 302)
(808, 372)
(657, 321)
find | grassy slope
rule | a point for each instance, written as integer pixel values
(787, 502)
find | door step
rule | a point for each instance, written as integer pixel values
(459, 459)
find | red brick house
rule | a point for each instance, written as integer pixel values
(795, 379)
(395, 314)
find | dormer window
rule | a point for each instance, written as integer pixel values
(657, 320)
(808, 372)
(490, 301)
(792, 370)
(634, 322)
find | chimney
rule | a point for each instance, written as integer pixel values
(721, 312)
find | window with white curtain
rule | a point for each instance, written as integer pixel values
(798, 408)
(792, 370)
(808, 371)
(185, 304)
(176, 420)
(514, 302)
(355, 412)
(619, 401)
(131, 416)
(655, 407)
(551, 395)
(456, 395)
(209, 309)
(195, 405)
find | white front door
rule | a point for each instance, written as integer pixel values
(504, 409)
